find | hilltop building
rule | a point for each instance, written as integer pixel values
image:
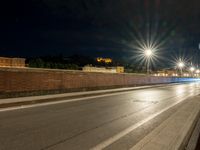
(104, 60)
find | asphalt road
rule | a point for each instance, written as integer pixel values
(116, 121)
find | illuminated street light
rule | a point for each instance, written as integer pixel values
(197, 72)
(148, 53)
(192, 69)
(180, 66)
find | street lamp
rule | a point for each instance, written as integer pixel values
(197, 72)
(148, 54)
(192, 69)
(180, 66)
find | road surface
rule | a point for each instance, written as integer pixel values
(115, 121)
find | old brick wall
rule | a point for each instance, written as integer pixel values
(35, 80)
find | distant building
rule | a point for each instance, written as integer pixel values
(12, 62)
(104, 60)
(171, 72)
(167, 72)
(118, 69)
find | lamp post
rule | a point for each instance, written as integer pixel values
(180, 66)
(148, 54)
(197, 72)
(192, 69)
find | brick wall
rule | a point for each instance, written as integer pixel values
(41, 80)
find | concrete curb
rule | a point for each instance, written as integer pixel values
(192, 144)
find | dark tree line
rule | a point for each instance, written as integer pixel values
(76, 62)
(53, 62)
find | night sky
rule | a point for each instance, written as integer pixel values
(107, 28)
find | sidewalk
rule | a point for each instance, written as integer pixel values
(173, 133)
(11, 102)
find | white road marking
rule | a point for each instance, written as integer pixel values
(58, 102)
(116, 137)
(73, 100)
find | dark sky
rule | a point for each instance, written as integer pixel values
(98, 27)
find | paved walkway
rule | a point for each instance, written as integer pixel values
(174, 132)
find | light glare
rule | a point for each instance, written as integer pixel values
(181, 64)
(192, 69)
(148, 52)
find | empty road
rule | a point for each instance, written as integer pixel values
(112, 121)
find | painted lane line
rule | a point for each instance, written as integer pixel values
(63, 101)
(121, 134)
(67, 101)
(71, 100)
(115, 92)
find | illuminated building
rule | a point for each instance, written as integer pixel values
(12, 62)
(104, 60)
(118, 69)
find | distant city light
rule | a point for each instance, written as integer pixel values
(174, 74)
(197, 71)
(192, 69)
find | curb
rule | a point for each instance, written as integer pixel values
(193, 141)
